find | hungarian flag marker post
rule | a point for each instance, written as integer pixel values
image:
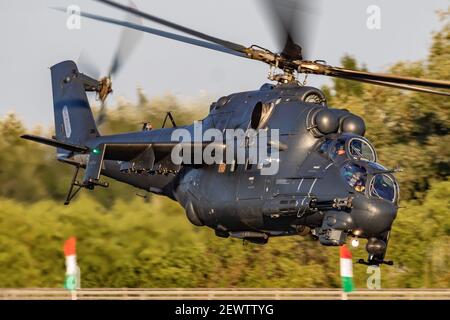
(70, 282)
(346, 270)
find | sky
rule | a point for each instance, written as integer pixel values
(34, 37)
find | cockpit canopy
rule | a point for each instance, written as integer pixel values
(348, 146)
(357, 160)
(355, 176)
(361, 149)
(373, 183)
(383, 186)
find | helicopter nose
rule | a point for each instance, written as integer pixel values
(372, 216)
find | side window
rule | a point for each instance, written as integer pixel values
(325, 146)
(338, 149)
(355, 176)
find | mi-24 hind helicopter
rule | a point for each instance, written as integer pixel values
(328, 182)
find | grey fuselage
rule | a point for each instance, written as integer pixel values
(245, 204)
(327, 183)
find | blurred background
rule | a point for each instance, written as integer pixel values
(129, 241)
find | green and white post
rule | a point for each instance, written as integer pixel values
(346, 271)
(72, 279)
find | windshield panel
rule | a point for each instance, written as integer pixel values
(361, 150)
(382, 186)
(355, 176)
(323, 148)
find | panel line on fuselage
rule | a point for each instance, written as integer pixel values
(312, 186)
(300, 184)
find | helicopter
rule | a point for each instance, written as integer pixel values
(328, 181)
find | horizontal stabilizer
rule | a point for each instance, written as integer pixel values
(55, 143)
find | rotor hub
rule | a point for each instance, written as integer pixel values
(104, 88)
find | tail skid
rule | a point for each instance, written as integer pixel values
(93, 167)
(76, 184)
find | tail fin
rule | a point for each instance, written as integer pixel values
(74, 121)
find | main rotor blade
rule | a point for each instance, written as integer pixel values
(101, 114)
(327, 70)
(293, 20)
(362, 75)
(129, 38)
(224, 43)
(160, 33)
(398, 86)
(85, 64)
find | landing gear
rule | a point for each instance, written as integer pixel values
(74, 183)
(376, 247)
(75, 186)
(375, 262)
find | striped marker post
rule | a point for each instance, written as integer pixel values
(70, 281)
(346, 271)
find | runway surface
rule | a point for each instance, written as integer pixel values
(226, 294)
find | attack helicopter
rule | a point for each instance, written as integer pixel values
(328, 183)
